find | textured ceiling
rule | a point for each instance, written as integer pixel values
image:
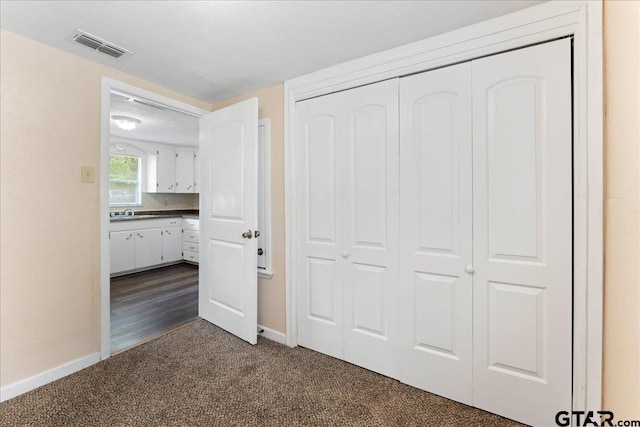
(213, 50)
(157, 124)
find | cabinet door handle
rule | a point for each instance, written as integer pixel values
(171, 187)
(130, 236)
(140, 235)
(168, 232)
(189, 187)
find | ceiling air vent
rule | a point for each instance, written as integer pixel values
(102, 46)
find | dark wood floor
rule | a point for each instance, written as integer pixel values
(145, 305)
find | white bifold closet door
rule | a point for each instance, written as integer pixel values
(522, 232)
(347, 158)
(436, 231)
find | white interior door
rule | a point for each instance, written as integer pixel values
(523, 232)
(319, 234)
(368, 145)
(436, 231)
(228, 218)
(347, 153)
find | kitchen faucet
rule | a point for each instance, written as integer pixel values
(128, 211)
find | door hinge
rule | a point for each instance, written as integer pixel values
(158, 152)
(162, 233)
(161, 257)
(176, 154)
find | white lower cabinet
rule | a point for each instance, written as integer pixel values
(172, 243)
(434, 238)
(191, 240)
(122, 245)
(139, 244)
(148, 247)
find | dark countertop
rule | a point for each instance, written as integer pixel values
(139, 215)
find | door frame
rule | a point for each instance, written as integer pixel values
(581, 20)
(109, 84)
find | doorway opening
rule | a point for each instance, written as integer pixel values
(151, 173)
(148, 195)
(153, 199)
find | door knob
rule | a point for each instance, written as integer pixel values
(469, 269)
(247, 234)
(345, 254)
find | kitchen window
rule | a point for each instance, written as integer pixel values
(124, 180)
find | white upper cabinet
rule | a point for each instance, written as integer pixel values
(172, 170)
(185, 182)
(165, 170)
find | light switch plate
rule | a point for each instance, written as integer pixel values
(87, 174)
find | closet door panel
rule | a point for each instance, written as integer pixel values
(523, 232)
(371, 227)
(435, 231)
(320, 241)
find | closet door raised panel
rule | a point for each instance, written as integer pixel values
(319, 269)
(370, 143)
(436, 231)
(523, 232)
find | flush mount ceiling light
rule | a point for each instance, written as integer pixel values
(125, 122)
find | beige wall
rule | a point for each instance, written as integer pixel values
(271, 292)
(621, 388)
(49, 231)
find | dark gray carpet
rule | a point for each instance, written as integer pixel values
(200, 375)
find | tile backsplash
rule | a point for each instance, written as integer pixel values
(165, 201)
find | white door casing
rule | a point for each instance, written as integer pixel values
(228, 210)
(264, 194)
(436, 231)
(522, 180)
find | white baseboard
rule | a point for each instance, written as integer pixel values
(273, 335)
(28, 384)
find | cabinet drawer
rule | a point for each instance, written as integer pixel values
(191, 236)
(190, 247)
(191, 224)
(172, 222)
(190, 256)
